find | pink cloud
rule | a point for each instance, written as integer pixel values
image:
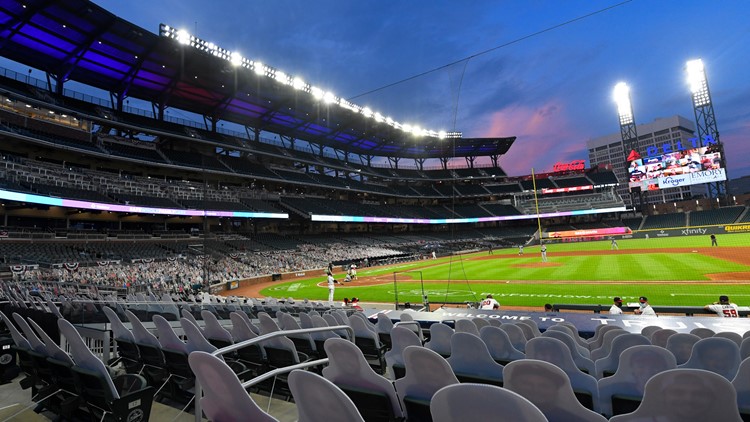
(545, 136)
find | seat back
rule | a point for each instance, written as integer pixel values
(195, 339)
(499, 345)
(119, 331)
(140, 333)
(582, 350)
(466, 326)
(53, 350)
(349, 370)
(660, 337)
(471, 361)
(681, 346)
(608, 364)
(213, 330)
(596, 341)
(554, 351)
(401, 338)
(85, 359)
(649, 330)
(516, 336)
(224, 399)
(36, 344)
(480, 322)
(454, 403)
(528, 332)
(305, 321)
(745, 348)
(741, 383)
(622, 391)
(703, 332)
(731, 336)
(548, 387)
(581, 361)
(385, 325)
(168, 339)
(426, 373)
(440, 339)
(607, 340)
(686, 395)
(718, 355)
(18, 338)
(318, 399)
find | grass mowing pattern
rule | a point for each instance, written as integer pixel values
(628, 275)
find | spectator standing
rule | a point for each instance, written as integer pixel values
(645, 309)
(724, 308)
(616, 308)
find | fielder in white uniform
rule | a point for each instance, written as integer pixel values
(331, 287)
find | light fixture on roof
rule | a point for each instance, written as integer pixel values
(236, 59)
(258, 68)
(624, 106)
(696, 76)
(329, 98)
(298, 83)
(183, 37)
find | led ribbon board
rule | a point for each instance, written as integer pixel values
(395, 220)
(72, 203)
(609, 231)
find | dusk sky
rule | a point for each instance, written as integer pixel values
(552, 90)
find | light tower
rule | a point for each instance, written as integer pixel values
(705, 120)
(628, 131)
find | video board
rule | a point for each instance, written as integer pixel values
(675, 169)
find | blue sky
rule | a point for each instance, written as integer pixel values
(553, 91)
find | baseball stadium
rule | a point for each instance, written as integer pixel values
(235, 266)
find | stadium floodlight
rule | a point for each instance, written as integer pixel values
(236, 59)
(442, 134)
(184, 37)
(329, 97)
(624, 106)
(298, 83)
(258, 68)
(317, 92)
(696, 77)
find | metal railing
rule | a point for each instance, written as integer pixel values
(274, 372)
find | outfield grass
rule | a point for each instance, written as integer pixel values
(520, 281)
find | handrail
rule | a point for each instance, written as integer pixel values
(231, 348)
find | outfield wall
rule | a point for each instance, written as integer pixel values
(689, 231)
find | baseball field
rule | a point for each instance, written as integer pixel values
(674, 271)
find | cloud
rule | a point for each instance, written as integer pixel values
(545, 136)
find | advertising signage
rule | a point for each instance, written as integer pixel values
(676, 169)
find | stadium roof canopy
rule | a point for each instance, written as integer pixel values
(78, 40)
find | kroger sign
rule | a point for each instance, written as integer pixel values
(708, 176)
(667, 148)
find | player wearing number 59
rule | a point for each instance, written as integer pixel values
(724, 308)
